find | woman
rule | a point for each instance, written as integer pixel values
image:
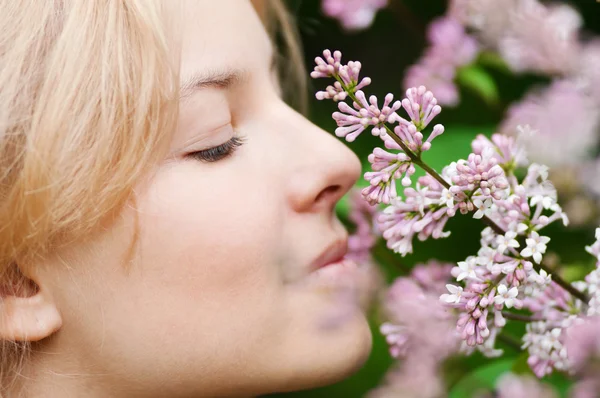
(167, 220)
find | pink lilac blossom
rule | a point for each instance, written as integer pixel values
(513, 386)
(529, 35)
(413, 378)
(588, 73)
(484, 17)
(542, 38)
(480, 173)
(365, 234)
(583, 347)
(353, 14)
(422, 213)
(566, 120)
(450, 48)
(508, 151)
(347, 76)
(420, 331)
(545, 345)
(360, 244)
(387, 168)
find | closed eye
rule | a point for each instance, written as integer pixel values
(219, 152)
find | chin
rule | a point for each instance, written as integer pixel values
(333, 358)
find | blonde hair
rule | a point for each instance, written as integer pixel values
(87, 106)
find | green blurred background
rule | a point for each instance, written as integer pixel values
(394, 42)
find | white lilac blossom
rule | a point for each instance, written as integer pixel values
(353, 14)
(450, 47)
(536, 246)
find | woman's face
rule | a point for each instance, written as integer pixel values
(221, 298)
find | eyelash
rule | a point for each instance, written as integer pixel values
(219, 152)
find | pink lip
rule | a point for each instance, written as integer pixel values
(331, 255)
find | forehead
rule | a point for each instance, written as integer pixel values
(219, 34)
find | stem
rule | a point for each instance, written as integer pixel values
(509, 341)
(383, 255)
(566, 285)
(518, 317)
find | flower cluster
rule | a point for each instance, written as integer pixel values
(497, 184)
(397, 133)
(534, 36)
(419, 331)
(450, 48)
(513, 386)
(353, 14)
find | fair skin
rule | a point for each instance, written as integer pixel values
(217, 301)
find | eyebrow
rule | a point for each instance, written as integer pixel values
(220, 79)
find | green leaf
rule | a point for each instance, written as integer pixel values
(520, 366)
(482, 379)
(493, 60)
(478, 80)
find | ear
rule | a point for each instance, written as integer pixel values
(28, 318)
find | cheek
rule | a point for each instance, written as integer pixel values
(208, 249)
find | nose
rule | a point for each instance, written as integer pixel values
(322, 168)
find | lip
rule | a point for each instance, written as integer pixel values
(333, 254)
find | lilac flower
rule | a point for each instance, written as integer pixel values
(420, 331)
(413, 309)
(536, 246)
(566, 121)
(353, 14)
(484, 17)
(507, 297)
(421, 106)
(455, 295)
(512, 386)
(423, 213)
(388, 167)
(450, 48)
(414, 377)
(505, 241)
(583, 347)
(464, 270)
(432, 276)
(365, 235)
(346, 75)
(546, 349)
(480, 173)
(541, 38)
(507, 150)
(583, 342)
(594, 249)
(588, 72)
